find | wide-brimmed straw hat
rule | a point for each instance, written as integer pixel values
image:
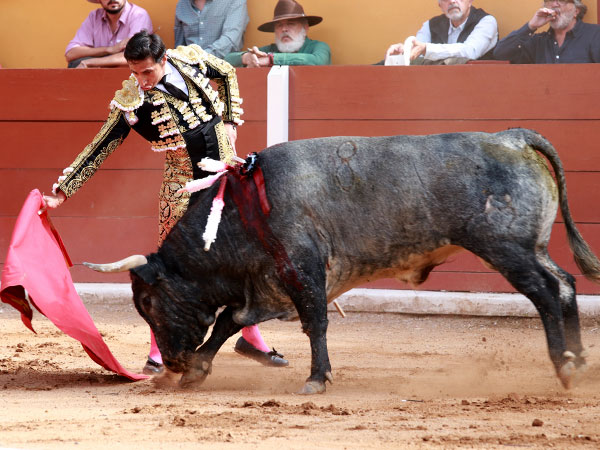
(288, 9)
(94, 1)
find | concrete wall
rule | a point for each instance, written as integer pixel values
(34, 34)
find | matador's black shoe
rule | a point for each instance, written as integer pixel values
(152, 367)
(272, 358)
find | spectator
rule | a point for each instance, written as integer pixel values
(462, 32)
(292, 47)
(217, 26)
(568, 40)
(101, 38)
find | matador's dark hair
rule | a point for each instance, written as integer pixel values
(143, 45)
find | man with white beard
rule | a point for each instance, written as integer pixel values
(461, 33)
(292, 47)
(568, 40)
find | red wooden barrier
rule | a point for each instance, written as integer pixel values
(48, 116)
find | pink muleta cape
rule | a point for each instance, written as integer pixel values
(38, 263)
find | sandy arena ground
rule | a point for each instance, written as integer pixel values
(399, 382)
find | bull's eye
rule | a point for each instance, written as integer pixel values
(146, 302)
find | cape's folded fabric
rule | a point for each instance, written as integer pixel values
(36, 270)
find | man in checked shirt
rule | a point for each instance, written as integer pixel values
(215, 25)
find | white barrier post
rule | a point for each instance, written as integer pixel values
(278, 82)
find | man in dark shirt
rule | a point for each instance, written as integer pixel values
(569, 39)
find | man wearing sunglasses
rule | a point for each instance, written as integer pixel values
(568, 40)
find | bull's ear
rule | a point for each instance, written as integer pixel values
(147, 273)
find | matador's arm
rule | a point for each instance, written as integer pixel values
(111, 135)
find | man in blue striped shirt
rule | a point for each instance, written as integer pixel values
(215, 25)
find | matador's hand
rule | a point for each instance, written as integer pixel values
(54, 201)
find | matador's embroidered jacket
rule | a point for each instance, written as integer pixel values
(186, 130)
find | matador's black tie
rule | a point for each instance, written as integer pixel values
(174, 90)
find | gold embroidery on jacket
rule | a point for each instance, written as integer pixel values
(196, 103)
(161, 115)
(86, 173)
(191, 54)
(226, 152)
(186, 113)
(225, 101)
(228, 88)
(130, 97)
(167, 129)
(171, 143)
(80, 175)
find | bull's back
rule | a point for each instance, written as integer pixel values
(401, 193)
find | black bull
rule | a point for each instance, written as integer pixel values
(349, 210)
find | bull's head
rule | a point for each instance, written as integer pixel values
(170, 305)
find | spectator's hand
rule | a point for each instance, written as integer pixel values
(82, 65)
(396, 49)
(418, 49)
(255, 50)
(118, 47)
(54, 201)
(541, 17)
(249, 59)
(264, 61)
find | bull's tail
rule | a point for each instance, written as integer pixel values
(585, 259)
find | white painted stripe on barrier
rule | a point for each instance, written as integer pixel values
(278, 94)
(452, 303)
(389, 301)
(401, 301)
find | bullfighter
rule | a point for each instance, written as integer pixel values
(169, 101)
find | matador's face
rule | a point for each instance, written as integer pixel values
(148, 72)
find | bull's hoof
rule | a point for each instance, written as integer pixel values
(311, 388)
(571, 372)
(580, 362)
(166, 378)
(566, 374)
(192, 378)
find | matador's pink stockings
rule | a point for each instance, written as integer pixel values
(251, 334)
(154, 351)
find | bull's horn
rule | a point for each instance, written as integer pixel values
(120, 266)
